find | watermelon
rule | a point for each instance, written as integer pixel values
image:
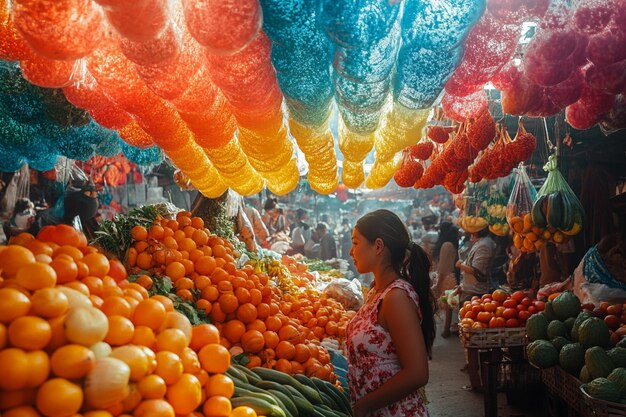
(593, 332)
(598, 362)
(572, 358)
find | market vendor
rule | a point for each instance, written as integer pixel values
(82, 203)
(476, 269)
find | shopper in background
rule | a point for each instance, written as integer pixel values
(260, 231)
(391, 336)
(22, 219)
(273, 219)
(82, 203)
(328, 247)
(430, 235)
(445, 256)
(300, 232)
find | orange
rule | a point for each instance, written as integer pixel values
(29, 332)
(217, 315)
(257, 325)
(263, 311)
(3, 336)
(98, 264)
(283, 365)
(117, 270)
(36, 276)
(220, 384)
(187, 244)
(72, 361)
(120, 332)
(225, 286)
(176, 320)
(15, 369)
(253, 361)
(39, 364)
(156, 232)
(141, 290)
(197, 223)
(78, 286)
(49, 302)
(38, 247)
(169, 367)
(252, 341)
(219, 251)
(255, 296)
(273, 323)
(185, 395)
(271, 339)
(59, 397)
(58, 338)
(149, 313)
(184, 284)
(65, 269)
(228, 303)
(210, 293)
(219, 274)
(285, 350)
(13, 258)
(243, 411)
(72, 251)
(191, 363)
(166, 301)
(205, 265)
(144, 261)
(139, 233)
(233, 330)
(243, 295)
(217, 406)
(303, 353)
(21, 411)
(136, 358)
(144, 336)
(16, 398)
(203, 334)
(247, 313)
(153, 408)
(172, 340)
(201, 282)
(175, 271)
(116, 306)
(200, 237)
(288, 332)
(214, 358)
(152, 387)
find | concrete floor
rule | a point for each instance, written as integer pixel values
(448, 387)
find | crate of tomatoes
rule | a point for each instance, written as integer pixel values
(497, 319)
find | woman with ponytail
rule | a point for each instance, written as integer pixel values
(391, 337)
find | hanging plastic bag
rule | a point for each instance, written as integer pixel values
(499, 193)
(473, 217)
(518, 213)
(557, 208)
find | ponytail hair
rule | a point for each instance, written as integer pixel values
(407, 259)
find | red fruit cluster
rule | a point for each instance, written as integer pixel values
(440, 134)
(422, 150)
(499, 309)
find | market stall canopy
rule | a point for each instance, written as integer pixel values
(227, 89)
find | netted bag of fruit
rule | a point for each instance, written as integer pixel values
(473, 216)
(499, 193)
(519, 207)
(557, 207)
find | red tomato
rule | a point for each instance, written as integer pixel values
(518, 296)
(521, 307)
(588, 306)
(613, 322)
(497, 322)
(527, 301)
(477, 309)
(497, 303)
(500, 311)
(510, 303)
(509, 313)
(490, 307)
(523, 316)
(484, 317)
(486, 297)
(475, 298)
(532, 310)
(499, 295)
(540, 305)
(512, 323)
(469, 315)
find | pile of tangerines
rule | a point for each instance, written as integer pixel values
(78, 339)
(255, 318)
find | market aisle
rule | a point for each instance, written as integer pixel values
(445, 390)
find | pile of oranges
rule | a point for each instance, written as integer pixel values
(254, 317)
(78, 339)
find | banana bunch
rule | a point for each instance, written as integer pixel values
(496, 210)
(472, 224)
(275, 394)
(280, 274)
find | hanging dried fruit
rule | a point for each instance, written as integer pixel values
(422, 150)
(440, 134)
(481, 131)
(410, 170)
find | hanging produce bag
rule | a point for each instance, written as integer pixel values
(473, 217)
(557, 208)
(518, 213)
(499, 193)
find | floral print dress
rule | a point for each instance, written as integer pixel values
(373, 358)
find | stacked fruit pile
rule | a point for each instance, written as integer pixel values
(579, 341)
(76, 336)
(277, 326)
(528, 237)
(498, 309)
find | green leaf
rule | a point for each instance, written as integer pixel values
(241, 359)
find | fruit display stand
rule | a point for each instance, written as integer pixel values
(596, 407)
(564, 386)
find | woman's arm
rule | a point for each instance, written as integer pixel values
(398, 314)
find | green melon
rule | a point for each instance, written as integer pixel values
(558, 342)
(618, 356)
(572, 358)
(542, 354)
(548, 311)
(598, 362)
(584, 375)
(603, 389)
(577, 322)
(569, 324)
(618, 377)
(593, 332)
(556, 328)
(566, 305)
(537, 327)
